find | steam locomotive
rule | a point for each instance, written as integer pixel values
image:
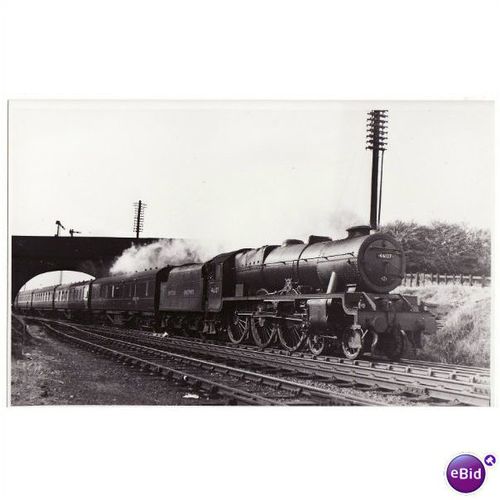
(321, 293)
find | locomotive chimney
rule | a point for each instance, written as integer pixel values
(355, 231)
(376, 140)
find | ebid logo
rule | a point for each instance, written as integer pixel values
(466, 473)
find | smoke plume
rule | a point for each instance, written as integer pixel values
(341, 220)
(162, 253)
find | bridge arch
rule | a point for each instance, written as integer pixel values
(61, 276)
(34, 255)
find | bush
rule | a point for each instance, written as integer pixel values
(443, 248)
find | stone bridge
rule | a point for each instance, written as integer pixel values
(33, 255)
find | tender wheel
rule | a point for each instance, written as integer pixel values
(316, 344)
(393, 344)
(292, 334)
(263, 331)
(352, 343)
(238, 328)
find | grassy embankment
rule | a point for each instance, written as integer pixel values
(464, 315)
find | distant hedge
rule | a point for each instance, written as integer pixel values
(445, 248)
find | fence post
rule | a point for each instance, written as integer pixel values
(437, 278)
(483, 281)
(417, 279)
(461, 279)
(471, 281)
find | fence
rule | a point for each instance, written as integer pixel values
(421, 279)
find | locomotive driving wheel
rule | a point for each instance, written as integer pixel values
(238, 327)
(292, 334)
(352, 342)
(263, 331)
(316, 344)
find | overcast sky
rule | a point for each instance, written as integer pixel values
(247, 173)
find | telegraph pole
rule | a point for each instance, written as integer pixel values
(138, 217)
(376, 140)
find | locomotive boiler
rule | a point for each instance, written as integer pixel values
(362, 261)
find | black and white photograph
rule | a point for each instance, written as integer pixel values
(250, 249)
(251, 253)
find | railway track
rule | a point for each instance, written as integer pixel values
(215, 380)
(419, 382)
